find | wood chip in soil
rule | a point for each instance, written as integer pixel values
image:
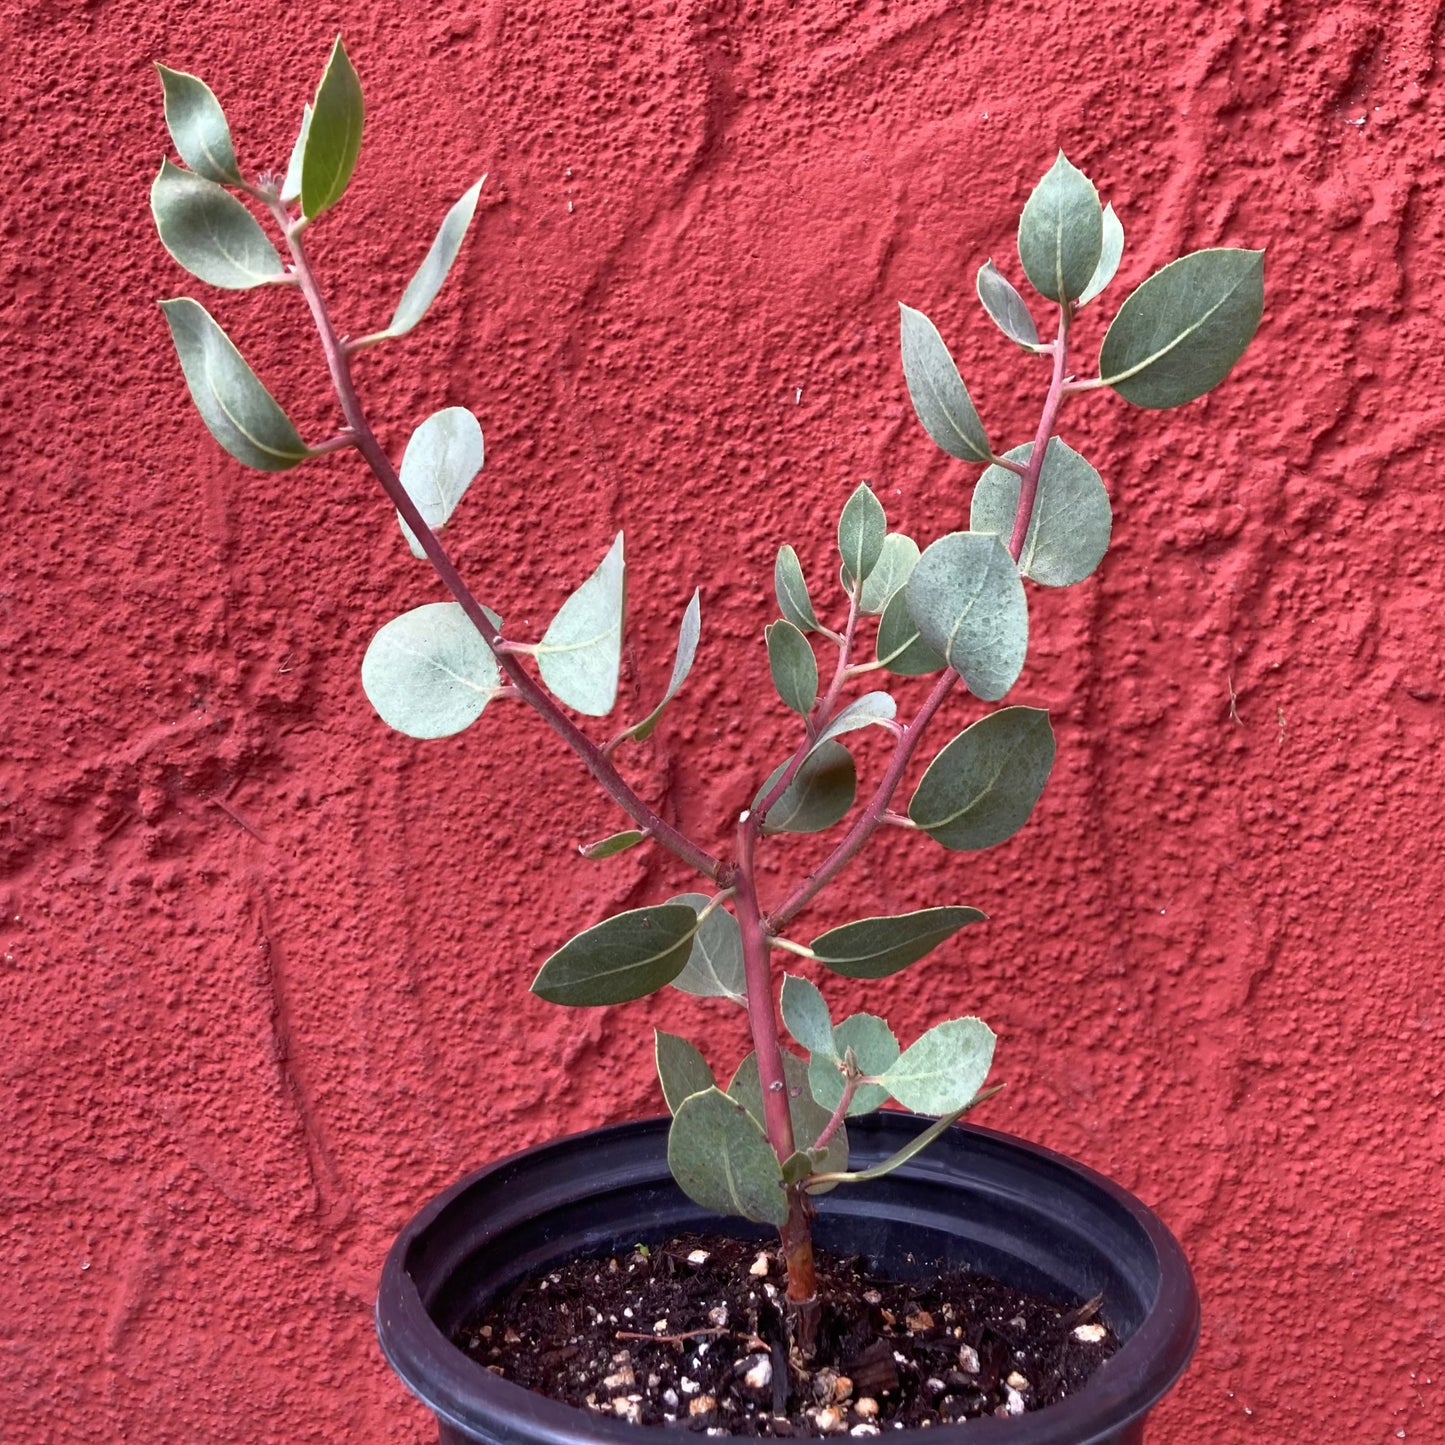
(691, 1334)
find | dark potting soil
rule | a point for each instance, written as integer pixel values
(691, 1334)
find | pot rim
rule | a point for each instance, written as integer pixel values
(468, 1397)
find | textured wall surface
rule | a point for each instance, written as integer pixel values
(263, 965)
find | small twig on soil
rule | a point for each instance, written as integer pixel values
(671, 1339)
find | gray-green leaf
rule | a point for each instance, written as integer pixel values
(875, 1050)
(939, 396)
(894, 567)
(968, 600)
(291, 186)
(900, 647)
(792, 589)
(441, 461)
(982, 787)
(333, 140)
(943, 1070)
(422, 289)
(612, 845)
(870, 710)
(580, 655)
(237, 410)
(687, 640)
(806, 1016)
(211, 233)
(878, 947)
(626, 957)
(681, 1069)
(915, 1145)
(1179, 335)
(822, 791)
(1009, 310)
(1072, 520)
(1110, 254)
(722, 1160)
(428, 673)
(198, 126)
(809, 1118)
(715, 964)
(1061, 232)
(793, 666)
(861, 531)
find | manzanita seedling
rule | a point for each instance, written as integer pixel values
(956, 610)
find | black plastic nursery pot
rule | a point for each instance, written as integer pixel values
(975, 1198)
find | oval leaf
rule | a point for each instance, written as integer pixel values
(806, 1016)
(441, 461)
(1009, 310)
(968, 600)
(624, 958)
(878, 947)
(198, 126)
(1061, 232)
(875, 1050)
(1179, 335)
(982, 787)
(722, 1160)
(610, 847)
(422, 289)
(793, 666)
(237, 410)
(714, 966)
(291, 186)
(1111, 253)
(428, 673)
(900, 647)
(333, 139)
(687, 640)
(211, 233)
(580, 656)
(681, 1069)
(873, 708)
(945, 1069)
(939, 396)
(894, 567)
(1072, 521)
(861, 531)
(819, 796)
(792, 589)
(809, 1118)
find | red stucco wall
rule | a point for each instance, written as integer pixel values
(262, 983)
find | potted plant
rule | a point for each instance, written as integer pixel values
(795, 1142)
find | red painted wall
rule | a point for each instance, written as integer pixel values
(263, 966)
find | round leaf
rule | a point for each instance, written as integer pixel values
(1009, 310)
(1069, 530)
(441, 461)
(819, 796)
(982, 787)
(209, 232)
(945, 1069)
(333, 139)
(1179, 335)
(237, 410)
(715, 965)
(422, 289)
(939, 396)
(1061, 232)
(968, 600)
(198, 126)
(793, 666)
(792, 589)
(429, 673)
(621, 959)
(874, 1050)
(806, 1016)
(900, 647)
(861, 530)
(878, 947)
(895, 565)
(808, 1116)
(1111, 253)
(580, 656)
(681, 1069)
(722, 1160)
